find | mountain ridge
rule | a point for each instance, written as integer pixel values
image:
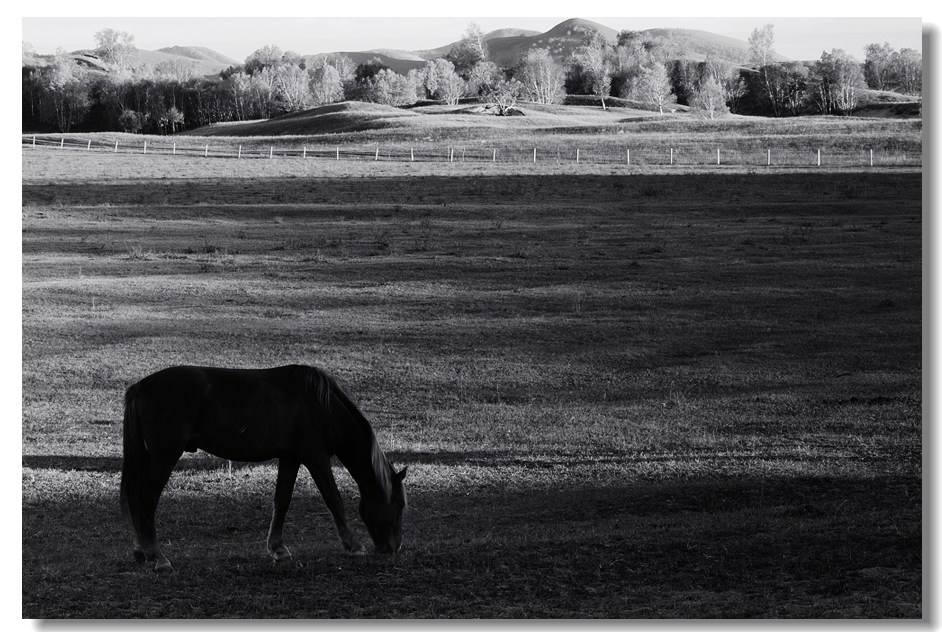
(505, 46)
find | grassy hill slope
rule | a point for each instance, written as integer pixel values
(200, 54)
(355, 116)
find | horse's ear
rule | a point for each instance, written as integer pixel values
(401, 474)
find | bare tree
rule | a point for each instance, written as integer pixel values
(238, 85)
(475, 38)
(654, 86)
(174, 118)
(67, 95)
(907, 70)
(469, 51)
(837, 78)
(543, 77)
(326, 83)
(594, 57)
(504, 95)
(452, 89)
(116, 48)
(268, 56)
(727, 77)
(708, 99)
(485, 74)
(761, 53)
(436, 74)
(293, 88)
(878, 65)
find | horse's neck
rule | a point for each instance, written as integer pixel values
(365, 461)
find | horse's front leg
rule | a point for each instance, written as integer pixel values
(287, 474)
(324, 479)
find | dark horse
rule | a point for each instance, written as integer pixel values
(295, 413)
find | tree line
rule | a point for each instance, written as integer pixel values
(653, 71)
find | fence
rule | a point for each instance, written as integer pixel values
(688, 154)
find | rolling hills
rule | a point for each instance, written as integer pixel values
(376, 120)
(205, 62)
(505, 47)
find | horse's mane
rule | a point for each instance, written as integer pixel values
(334, 400)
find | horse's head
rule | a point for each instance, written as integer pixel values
(383, 515)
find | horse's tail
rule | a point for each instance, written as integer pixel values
(134, 479)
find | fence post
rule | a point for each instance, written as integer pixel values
(338, 152)
(577, 156)
(34, 141)
(451, 155)
(819, 157)
(672, 155)
(871, 157)
(116, 147)
(494, 155)
(717, 155)
(377, 153)
(627, 156)
(271, 152)
(304, 155)
(62, 142)
(534, 155)
(145, 147)
(174, 150)
(240, 151)
(206, 152)
(770, 158)
(89, 148)
(412, 154)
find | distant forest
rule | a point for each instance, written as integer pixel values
(650, 70)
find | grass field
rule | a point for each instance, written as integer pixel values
(440, 134)
(644, 396)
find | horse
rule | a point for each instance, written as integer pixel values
(294, 413)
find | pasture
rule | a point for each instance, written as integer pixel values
(619, 395)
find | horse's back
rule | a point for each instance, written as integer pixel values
(242, 414)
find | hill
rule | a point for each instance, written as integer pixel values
(441, 51)
(697, 45)
(206, 62)
(200, 54)
(423, 120)
(348, 116)
(399, 61)
(507, 47)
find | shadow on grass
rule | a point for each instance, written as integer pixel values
(202, 461)
(507, 190)
(731, 547)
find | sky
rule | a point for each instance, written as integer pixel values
(237, 37)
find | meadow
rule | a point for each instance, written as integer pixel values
(620, 394)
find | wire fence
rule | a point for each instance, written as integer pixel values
(681, 154)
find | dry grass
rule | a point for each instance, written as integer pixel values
(654, 396)
(554, 131)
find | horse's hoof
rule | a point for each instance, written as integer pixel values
(358, 550)
(139, 556)
(281, 553)
(163, 566)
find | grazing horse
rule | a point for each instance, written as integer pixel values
(295, 413)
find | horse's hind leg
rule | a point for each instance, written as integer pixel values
(146, 547)
(287, 475)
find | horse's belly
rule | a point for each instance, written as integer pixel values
(234, 448)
